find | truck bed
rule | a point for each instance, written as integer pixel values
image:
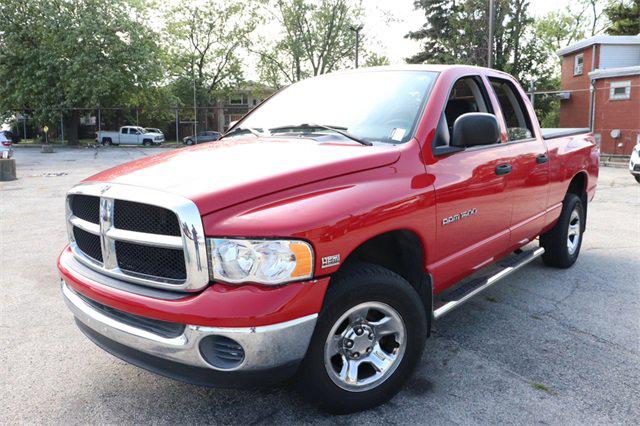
(550, 133)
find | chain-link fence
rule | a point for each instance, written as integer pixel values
(610, 109)
(176, 123)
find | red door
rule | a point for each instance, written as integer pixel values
(473, 209)
(527, 184)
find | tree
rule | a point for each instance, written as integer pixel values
(56, 55)
(204, 43)
(372, 59)
(456, 32)
(624, 17)
(316, 38)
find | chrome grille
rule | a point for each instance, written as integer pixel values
(86, 207)
(143, 236)
(152, 261)
(140, 217)
(88, 243)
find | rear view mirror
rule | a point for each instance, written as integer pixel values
(475, 128)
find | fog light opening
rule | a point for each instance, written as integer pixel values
(221, 352)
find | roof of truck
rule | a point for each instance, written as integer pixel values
(423, 67)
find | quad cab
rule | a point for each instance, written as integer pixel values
(326, 231)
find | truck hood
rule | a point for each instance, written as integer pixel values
(220, 174)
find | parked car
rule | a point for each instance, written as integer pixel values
(129, 135)
(333, 226)
(200, 137)
(154, 130)
(6, 151)
(634, 162)
(13, 137)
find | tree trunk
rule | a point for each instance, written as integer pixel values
(72, 125)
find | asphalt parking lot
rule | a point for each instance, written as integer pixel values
(545, 346)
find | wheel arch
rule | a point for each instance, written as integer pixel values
(578, 186)
(400, 251)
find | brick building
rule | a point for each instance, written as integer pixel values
(601, 89)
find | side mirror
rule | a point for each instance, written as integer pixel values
(475, 128)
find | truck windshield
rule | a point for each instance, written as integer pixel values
(376, 106)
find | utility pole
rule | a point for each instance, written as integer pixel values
(177, 125)
(357, 29)
(532, 92)
(490, 36)
(195, 108)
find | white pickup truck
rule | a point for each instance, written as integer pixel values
(129, 135)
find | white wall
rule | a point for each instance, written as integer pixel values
(619, 55)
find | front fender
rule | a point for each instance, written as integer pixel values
(339, 214)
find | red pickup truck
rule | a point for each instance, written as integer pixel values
(326, 231)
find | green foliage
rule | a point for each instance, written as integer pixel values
(204, 42)
(456, 32)
(624, 17)
(374, 60)
(65, 54)
(316, 38)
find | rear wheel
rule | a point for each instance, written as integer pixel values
(637, 178)
(562, 243)
(368, 338)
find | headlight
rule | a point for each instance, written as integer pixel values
(268, 262)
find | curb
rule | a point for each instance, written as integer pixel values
(78, 147)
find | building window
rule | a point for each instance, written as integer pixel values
(578, 64)
(620, 90)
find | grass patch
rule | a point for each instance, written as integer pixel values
(491, 299)
(536, 317)
(543, 388)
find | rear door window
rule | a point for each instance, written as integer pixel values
(515, 114)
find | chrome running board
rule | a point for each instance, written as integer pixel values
(448, 302)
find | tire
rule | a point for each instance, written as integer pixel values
(637, 178)
(363, 290)
(146, 142)
(106, 141)
(189, 142)
(562, 243)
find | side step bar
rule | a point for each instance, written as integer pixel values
(474, 287)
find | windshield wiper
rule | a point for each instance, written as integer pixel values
(251, 130)
(338, 129)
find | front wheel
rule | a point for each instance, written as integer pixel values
(189, 142)
(369, 336)
(562, 243)
(637, 178)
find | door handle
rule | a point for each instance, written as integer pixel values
(503, 169)
(542, 158)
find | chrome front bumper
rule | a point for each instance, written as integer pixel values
(265, 347)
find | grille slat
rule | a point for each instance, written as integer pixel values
(146, 218)
(86, 207)
(88, 243)
(153, 261)
(136, 261)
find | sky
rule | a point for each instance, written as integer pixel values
(387, 21)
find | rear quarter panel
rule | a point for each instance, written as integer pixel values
(569, 156)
